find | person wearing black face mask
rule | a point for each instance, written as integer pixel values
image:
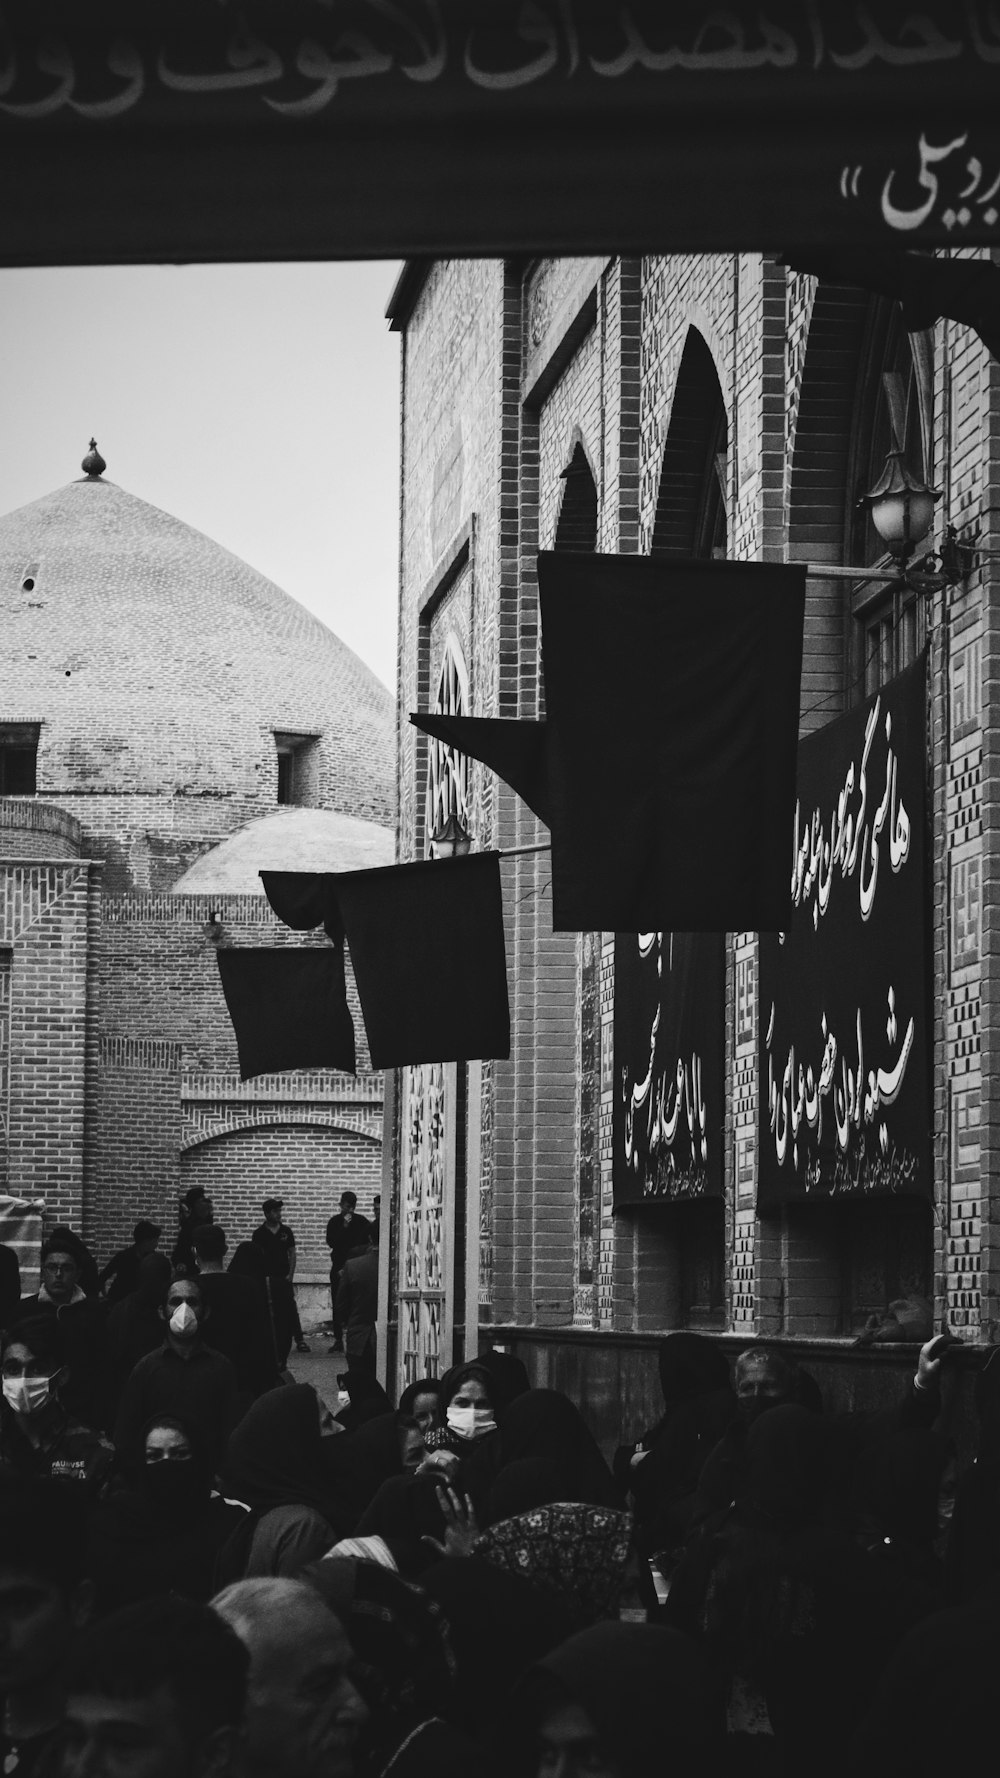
(163, 1531)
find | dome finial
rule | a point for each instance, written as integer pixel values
(93, 463)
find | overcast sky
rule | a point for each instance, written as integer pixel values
(259, 403)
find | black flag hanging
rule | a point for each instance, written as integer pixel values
(289, 1008)
(427, 946)
(299, 897)
(672, 691)
(517, 751)
(667, 763)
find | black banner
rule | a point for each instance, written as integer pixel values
(299, 129)
(844, 1101)
(669, 1043)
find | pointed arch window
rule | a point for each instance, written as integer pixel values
(447, 797)
(692, 499)
(577, 527)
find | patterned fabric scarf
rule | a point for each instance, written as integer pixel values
(580, 1552)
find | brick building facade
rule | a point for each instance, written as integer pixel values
(170, 722)
(696, 406)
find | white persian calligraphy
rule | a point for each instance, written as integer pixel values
(852, 841)
(538, 40)
(663, 1111)
(796, 1094)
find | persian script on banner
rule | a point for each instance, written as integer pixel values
(669, 1039)
(844, 1076)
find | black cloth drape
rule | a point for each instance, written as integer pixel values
(289, 1009)
(517, 751)
(672, 691)
(666, 764)
(427, 946)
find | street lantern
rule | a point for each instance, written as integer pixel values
(901, 506)
(452, 840)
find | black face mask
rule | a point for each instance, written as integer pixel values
(175, 1485)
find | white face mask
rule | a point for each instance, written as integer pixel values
(471, 1422)
(343, 1400)
(183, 1320)
(27, 1394)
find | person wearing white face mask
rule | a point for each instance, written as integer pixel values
(183, 1377)
(38, 1437)
(469, 1415)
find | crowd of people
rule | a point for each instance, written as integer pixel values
(206, 1568)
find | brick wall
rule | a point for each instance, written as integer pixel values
(586, 355)
(158, 669)
(30, 829)
(308, 1165)
(45, 922)
(165, 1076)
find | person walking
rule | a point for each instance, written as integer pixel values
(276, 1242)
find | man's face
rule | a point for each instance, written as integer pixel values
(759, 1385)
(347, 1208)
(273, 1218)
(130, 1738)
(20, 1365)
(182, 1326)
(304, 1715)
(60, 1275)
(36, 1625)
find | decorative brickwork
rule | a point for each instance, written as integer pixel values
(595, 360)
(30, 829)
(158, 670)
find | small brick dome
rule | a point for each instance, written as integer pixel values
(293, 839)
(159, 666)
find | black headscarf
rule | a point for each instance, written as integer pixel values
(422, 1386)
(647, 1692)
(690, 1365)
(787, 1474)
(359, 1462)
(453, 1379)
(508, 1374)
(544, 1424)
(276, 1457)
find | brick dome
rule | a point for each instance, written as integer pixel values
(159, 666)
(293, 839)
